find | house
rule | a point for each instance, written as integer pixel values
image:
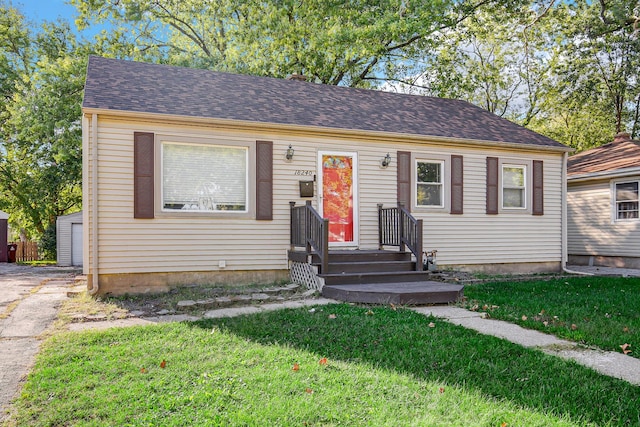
(602, 201)
(193, 176)
(69, 239)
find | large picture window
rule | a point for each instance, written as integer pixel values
(626, 199)
(204, 177)
(514, 193)
(429, 184)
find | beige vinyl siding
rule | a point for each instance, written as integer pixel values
(591, 229)
(64, 226)
(171, 243)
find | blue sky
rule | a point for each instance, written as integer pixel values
(49, 10)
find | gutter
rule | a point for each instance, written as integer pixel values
(326, 131)
(95, 286)
(620, 173)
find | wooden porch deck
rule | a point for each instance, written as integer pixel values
(379, 277)
(403, 293)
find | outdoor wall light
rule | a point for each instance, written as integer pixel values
(386, 161)
(290, 152)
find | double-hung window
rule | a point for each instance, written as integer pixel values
(514, 186)
(429, 183)
(626, 200)
(204, 177)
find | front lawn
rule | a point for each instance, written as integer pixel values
(596, 311)
(332, 365)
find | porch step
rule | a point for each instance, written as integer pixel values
(370, 266)
(371, 256)
(380, 277)
(401, 293)
(375, 277)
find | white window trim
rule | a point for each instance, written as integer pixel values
(445, 161)
(528, 185)
(249, 145)
(614, 202)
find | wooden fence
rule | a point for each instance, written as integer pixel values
(26, 251)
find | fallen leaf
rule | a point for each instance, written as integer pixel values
(432, 325)
(625, 348)
(308, 390)
(474, 308)
(369, 313)
(625, 329)
(503, 425)
(313, 310)
(441, 390)
(163, 364)
(524, 317)
(332, 316)
(323, 361)
(495, 307)
(574, 326)
(545, 323)
(485, 307)
(393, 307)
(541, 312)
(143, 371)
(296, 367)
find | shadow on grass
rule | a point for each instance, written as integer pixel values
(430, 349)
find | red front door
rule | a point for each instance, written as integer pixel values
(339, 197)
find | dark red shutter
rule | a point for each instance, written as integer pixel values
(538, 188)
(143, 159)
(4, 249)
(404, 178)
(457, 185)
(264, 180)
(492, 185)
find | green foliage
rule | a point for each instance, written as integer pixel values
(357, 43)
(40, 132)
(47, 244)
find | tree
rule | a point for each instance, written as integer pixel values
(40, 132)
(356, 43)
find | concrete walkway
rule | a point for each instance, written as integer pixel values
(609, 363)
(29, 299)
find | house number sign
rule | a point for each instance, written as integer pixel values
(303, 173)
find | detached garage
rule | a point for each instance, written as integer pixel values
(69, 239)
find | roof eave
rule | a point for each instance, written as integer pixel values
(321, 130)
(619, 173)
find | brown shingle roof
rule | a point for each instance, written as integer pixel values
(160, 89)
(620, 154)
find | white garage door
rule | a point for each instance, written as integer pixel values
(76, 244)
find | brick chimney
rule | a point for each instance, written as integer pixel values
(296, 76)
(622, 136)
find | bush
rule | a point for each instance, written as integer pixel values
(47, 244)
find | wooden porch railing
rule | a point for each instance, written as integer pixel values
(397, 227)
(311, 231)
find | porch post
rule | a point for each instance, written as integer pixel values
(402, 222)
(291, 226)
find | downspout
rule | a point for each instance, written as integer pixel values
(94, 205)
(564, 233)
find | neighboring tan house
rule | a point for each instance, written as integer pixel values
(602, 200)
(189, 175)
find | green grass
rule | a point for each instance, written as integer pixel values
(595, 311)
(41, 263)
(384, 367)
